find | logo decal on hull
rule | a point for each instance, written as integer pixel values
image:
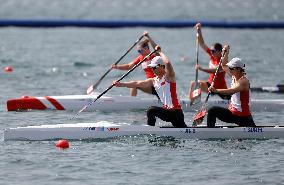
(94, 128)
(113, 129)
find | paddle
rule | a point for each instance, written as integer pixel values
(93, 87)
(196, 93)
(198, 118)
(123, 76)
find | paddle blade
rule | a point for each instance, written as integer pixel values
(194, 94)
(195, 97)
(90, 90)
(198, 118)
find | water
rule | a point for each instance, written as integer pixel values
(136, 9)
(65, 61)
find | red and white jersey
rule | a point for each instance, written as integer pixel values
(240, 101)
(220, 82)
(148, 71)
(167, 93)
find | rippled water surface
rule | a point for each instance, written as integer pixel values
(63, 61)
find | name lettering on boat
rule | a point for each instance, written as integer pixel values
(101, 128)
(107, 100)
(189, 130)
(94, 128)
(81, 99)
(103, 100)
(253, 129)
(113, 129)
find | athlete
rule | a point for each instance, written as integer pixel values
(238, 111)
(165, 85)
(215, 54)
(143, 49)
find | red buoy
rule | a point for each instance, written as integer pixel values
(8, 69)
(62, 143)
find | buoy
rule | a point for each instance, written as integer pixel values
(24, 96)
(8, 69)
(62, 143)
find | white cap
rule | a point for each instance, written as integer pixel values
(156, 61)
(236, 62)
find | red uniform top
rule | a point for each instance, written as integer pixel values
(167, 93)
(220, 82)
(240, 101)
(148, 70)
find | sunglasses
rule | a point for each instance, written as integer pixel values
(232, 68)
(156, 67)
(141, 49)
(145, 45)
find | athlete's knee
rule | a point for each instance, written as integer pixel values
(133, 92)
(213, 110)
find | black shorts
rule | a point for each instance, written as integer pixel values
(227, 116)
(224, 97)
(175, 116)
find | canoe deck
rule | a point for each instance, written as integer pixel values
(81, 131)
(122, 103)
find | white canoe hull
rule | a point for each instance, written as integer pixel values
(120, 103)
(277, 89)
(82, 131)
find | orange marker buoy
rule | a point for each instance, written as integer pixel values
(62, 143)
(8, 69)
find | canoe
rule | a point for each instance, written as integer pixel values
(82, 131)
(277, 89)
(122, 103)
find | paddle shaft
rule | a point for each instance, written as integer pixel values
(197, 118)
(215, 75)
(99, 81)
(196, 83)
(197, 62)
(111, 86)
